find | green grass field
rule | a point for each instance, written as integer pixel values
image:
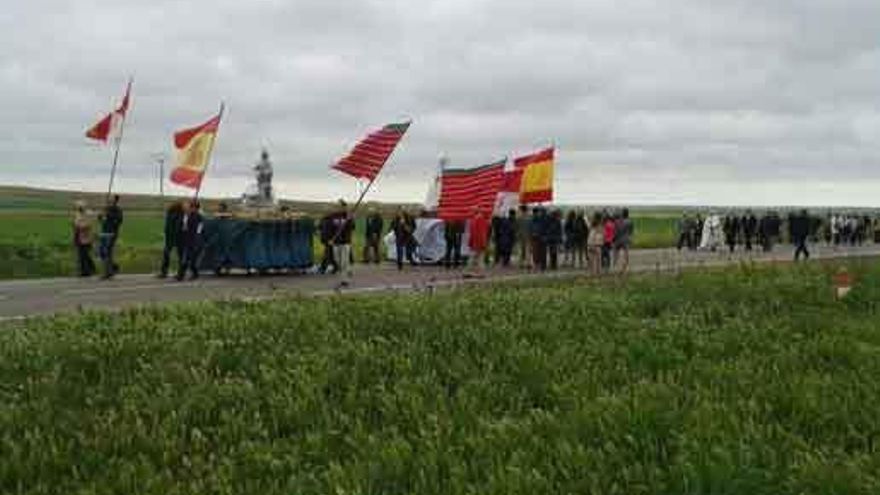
(37, 240)
(743, 381)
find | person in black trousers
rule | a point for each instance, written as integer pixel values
(538, 235)
(191, 239)
(404, 227)
(749, 228)
(111, 221)
(554, 238)
(373, 236)
(173, 219)
(327, 230)
(453, 231)
(504, 233)
(799, 228)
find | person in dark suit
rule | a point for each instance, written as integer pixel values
(505, 237)
(111, 221)
(749, 228)
(173, 219)
(453, 232)
(538, 235)
(191, 227)
(553, 237)
(373, 236)
(404, 227)
(326, 231)
(799, 228)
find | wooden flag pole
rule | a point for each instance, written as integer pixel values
(210, 151)
(118, 140)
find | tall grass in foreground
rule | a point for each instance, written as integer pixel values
(748, 380)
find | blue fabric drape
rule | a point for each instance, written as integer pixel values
(237, 243)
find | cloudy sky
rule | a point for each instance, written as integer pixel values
(680, 101)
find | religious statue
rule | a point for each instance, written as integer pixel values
(263, 170)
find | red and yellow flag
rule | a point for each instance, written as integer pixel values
(536, 185)
(194, 148)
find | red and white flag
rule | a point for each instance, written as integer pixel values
(367, 158)
(463, 190)
(111, 124)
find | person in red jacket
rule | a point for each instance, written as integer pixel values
(609, 230)
(478, 232)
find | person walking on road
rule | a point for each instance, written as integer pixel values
(800, 230)
(173, 220)
(581, 231)
(404, 227)
(608, 227)
(82, 240)
(505, 237)
(111, 221)
(453, 232)
(554, 238)
(326, 232)
(373, 236)
(191, 227)
(343, 227)
(623, 232)
(595, 240)
(749, 228)
(523, 222)
(478, 238)
(569, 239)
(538, 238)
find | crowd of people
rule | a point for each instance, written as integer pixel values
(539, 237)
(532, 238)
(731, 231)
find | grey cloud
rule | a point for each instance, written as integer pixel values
(698, 94)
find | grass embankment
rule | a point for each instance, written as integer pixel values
(749, 380)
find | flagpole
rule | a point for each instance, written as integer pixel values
(118, 142)
(210, 151)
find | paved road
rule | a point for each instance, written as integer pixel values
(23, 298)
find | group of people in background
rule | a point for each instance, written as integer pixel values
(747, 230)
(714, 232)
(853, 230)
(532, 238)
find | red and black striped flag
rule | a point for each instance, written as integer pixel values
(366, 159)
(463, 190)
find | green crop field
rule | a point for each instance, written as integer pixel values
(36, 240)
(751, 380)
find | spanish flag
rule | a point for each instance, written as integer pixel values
(536, 185)
(194, 148)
